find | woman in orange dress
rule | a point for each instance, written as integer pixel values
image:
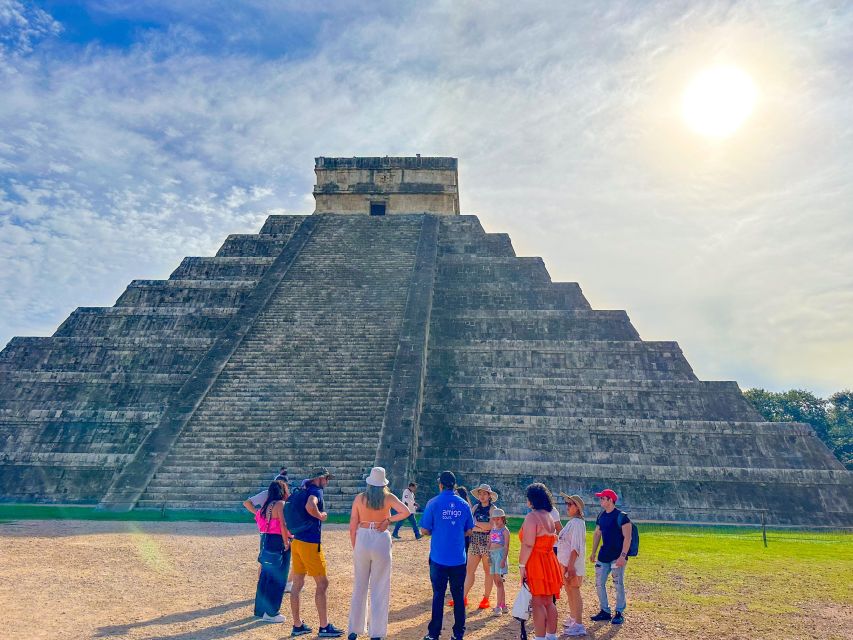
(536, 562)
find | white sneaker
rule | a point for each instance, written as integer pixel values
(499, 611)
(576, 629)
(279, 618)
(569, 622)
(288, 587)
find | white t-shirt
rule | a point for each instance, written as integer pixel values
(409, 499)
(573, 537)
(555, 516)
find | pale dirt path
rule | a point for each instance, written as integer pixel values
(76, 579)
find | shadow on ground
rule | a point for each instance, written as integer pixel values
(603, 631)
(220, 631)
(411, 611)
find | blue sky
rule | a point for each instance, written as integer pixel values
(135, 133)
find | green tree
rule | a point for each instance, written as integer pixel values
(831, 419)
(767, 403)
(796, 405)
(840, 417)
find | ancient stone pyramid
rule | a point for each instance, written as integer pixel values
(412, 340)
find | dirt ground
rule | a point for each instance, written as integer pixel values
(84, 579)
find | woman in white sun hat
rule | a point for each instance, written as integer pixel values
(371, 543)
(571, 554)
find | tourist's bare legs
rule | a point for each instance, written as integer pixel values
(575, 600)
(471, 570)
(322, 583)
(576, 603)
(487, 568)
(544, 615)
(295, 592)
(550, 615)
(499, 585)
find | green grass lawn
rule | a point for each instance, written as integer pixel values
(724, 578)
(691, 566)
(732, 568)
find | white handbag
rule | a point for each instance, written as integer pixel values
(521, 606)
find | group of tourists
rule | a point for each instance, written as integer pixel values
(463, 537)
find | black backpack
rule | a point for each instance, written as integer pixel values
(634, 549)
(296, 518)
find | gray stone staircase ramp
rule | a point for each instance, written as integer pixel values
(310, 382)
(134, 477)
(398, 442)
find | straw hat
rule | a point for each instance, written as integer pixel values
(484, 487)
(576, 499)
(497, 513)
(377, 477)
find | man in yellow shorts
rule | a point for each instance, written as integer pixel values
(306, 552)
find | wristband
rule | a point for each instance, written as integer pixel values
(520, 566)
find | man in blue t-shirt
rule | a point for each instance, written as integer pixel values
(447, 518)
(613, 527)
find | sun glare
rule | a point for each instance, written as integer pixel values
(718, 101)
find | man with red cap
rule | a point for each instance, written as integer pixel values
(613, 528)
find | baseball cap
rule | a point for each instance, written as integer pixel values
(447, 479)
(320, 472)
(607, 493)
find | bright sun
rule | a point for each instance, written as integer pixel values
(718, 101)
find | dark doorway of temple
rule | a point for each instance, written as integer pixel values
(377, 208)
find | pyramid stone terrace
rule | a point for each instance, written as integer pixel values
(409, 338)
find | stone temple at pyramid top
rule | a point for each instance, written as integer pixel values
(386, 185)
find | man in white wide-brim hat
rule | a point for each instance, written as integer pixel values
(371, 543)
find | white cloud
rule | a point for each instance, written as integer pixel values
(116, 163)
(22, 26)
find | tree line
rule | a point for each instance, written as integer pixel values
(831, 418)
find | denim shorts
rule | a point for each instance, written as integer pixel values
(496, 557)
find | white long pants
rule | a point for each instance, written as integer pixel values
(372, 571)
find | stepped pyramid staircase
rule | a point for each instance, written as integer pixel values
(418, 342)
(75, 407)
(527, 383)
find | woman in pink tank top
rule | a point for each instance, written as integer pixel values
(275, 563)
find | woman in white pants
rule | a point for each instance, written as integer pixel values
(371, 543)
